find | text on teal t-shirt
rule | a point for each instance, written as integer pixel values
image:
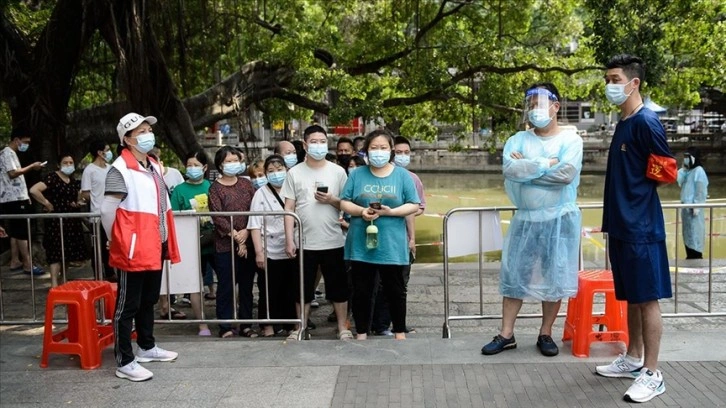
(394, 190)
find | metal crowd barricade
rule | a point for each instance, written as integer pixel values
(95, 223)
(710, 234)
(235, 296)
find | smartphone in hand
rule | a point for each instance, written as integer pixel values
(322, 189)
(375, 205)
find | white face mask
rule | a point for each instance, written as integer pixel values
(615, 93)
(145, 142)
(68, 170)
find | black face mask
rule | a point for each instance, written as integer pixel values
(344, 157)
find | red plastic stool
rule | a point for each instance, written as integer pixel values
(85, 337)
(580, 318)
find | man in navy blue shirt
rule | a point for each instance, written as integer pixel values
(633, 219)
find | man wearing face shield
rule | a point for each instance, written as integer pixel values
(541, 249)
(694, 189)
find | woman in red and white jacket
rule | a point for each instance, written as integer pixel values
(136, 214)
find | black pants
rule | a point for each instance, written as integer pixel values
(381, 314)
(280, 284)
(364, 284)
(138, 292)
(245, 269)
(693, 254)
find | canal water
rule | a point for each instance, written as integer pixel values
(445, 191)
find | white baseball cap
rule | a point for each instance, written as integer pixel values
(130, 122)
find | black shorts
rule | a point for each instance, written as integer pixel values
(332, 266)
(17, 228)
(640, 270)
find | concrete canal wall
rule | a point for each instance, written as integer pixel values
(436, 157)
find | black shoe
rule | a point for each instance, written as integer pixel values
(498, 345)
(547, 346)
(311, 325)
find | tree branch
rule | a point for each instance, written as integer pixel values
(274, 28)
(374, 66)
(439, 93)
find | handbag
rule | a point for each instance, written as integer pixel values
(206, 236)
(662, 169)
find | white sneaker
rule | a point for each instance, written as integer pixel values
(134, 371)
(647, 386)
(623, 366)
(155, 354)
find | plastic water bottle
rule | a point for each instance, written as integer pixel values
(371, 236)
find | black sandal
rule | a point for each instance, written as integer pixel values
(248, 333)
(175, 315)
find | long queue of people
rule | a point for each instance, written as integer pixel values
(356, 212)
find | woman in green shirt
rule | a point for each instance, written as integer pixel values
(193, 195)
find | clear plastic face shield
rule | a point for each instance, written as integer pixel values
(539, 107)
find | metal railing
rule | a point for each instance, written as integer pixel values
(95, 240)
(710, 233)
(94, 219)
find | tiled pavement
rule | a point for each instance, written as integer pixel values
(423, 371)
(688, 384)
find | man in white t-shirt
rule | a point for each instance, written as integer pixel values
(312, 190)
(14, 199)
(93, 187)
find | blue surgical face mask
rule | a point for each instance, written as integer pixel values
(23, 147)
(242, 169)
(379, 158)
(539, 118)
(68, 170)
(290, 160)
(687, 161)
(108, 156)
(232, 168)
(195, 173)
(402, 160)
(259, 182)
(615, 93)
(145, 142)
(277, 178)
(318, 150)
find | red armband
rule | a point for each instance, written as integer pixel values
(662, 169)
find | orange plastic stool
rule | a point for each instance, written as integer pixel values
(85, 337)
(580, 318)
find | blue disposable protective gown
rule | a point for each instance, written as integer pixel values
(541, 249)
(694, 189)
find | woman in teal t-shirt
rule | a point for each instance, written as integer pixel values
(378, 197)
(181, 199)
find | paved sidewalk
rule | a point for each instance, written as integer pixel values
(419, 372)
(423, 371)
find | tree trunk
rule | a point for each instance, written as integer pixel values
(144, 78)
(37, 82)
